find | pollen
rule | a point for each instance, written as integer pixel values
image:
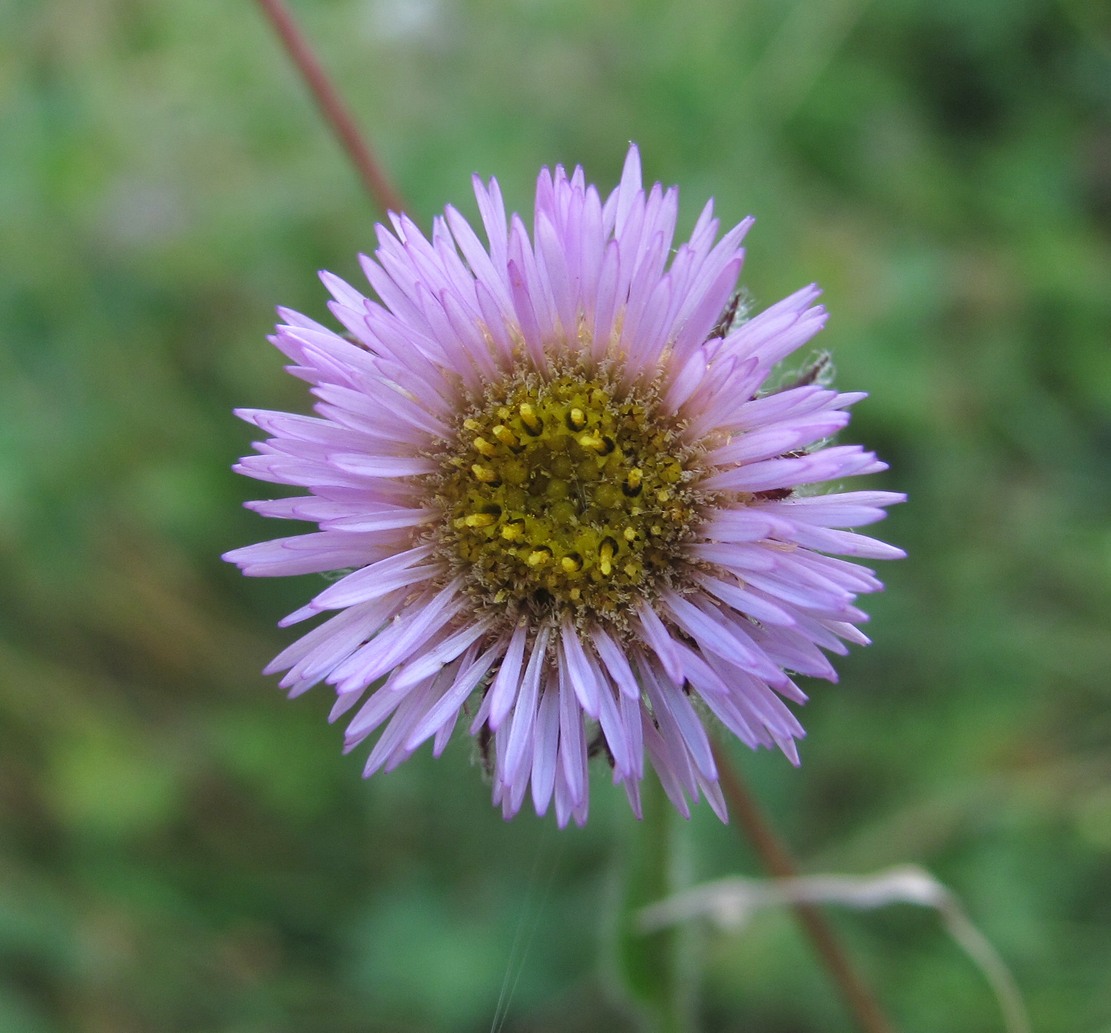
(485, 474)
(506, 436)
(566, 494)
(532, 423)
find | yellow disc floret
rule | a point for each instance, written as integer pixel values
(565, 494)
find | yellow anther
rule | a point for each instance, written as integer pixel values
(605, 556)
(506, 436)
(571, 563)
(513, 530)
(472, 424)
(486, 448)
(532, 422)
(576, 419)
(480, 519)
(484, 474)
(634, 481)
(538, 557)
(629, 534)
(593, 441)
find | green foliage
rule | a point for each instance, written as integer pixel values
(183, 850)
(653, 969)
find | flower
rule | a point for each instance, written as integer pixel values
(563, 499)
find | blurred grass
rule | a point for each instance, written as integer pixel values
(183, 850)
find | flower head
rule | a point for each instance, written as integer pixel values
(566, 504)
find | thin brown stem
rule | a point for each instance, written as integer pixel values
(335, 113)
(779, 863)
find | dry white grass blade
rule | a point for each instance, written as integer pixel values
(732, 902)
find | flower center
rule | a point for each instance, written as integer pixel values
(564, 495)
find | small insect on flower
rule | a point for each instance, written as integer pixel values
(571, 505)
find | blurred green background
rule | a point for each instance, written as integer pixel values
(181, 849)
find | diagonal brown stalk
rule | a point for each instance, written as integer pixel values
(778, 863)
(771, 851)
(331, 106)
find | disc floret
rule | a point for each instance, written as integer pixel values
(566, 494)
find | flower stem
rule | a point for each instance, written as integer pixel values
(331, 106)
(653, 965)
(779, 863)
